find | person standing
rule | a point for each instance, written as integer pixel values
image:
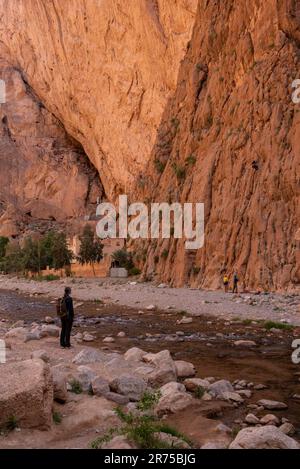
(225, 283)
(67, 317)
(235, 283)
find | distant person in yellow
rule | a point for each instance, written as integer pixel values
(225, 283)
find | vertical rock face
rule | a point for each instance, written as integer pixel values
(224, 132)
(230, 138)
(45, 176)
(105, 68)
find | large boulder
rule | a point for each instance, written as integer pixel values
(134, 354)
(173, 399)
(60, 391)
(87, 356)
(268, 437)
(100, 386)
(85, 377)
(130, 386)
(192, 384)
(26, 394)
(17, 333)
(184, 369)
(50, 330)
(164, 369)
(219, 388)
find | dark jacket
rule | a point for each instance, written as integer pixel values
(69, 305)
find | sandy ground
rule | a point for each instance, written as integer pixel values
(276, 307)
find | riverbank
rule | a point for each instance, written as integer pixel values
(272, 306)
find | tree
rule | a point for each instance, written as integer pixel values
(61, 254)
(123, 258)
(91, 249)
(31, 255)
(3, 244)
(13, 260)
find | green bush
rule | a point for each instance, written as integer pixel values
(159, 166)
(57, 417)
(134, 271)
(76, 387)
(277, 325)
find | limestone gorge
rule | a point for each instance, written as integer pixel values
(162, 101)
(165, 100)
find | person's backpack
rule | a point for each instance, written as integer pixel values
(61, 307)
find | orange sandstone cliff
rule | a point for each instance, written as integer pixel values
(167, 100)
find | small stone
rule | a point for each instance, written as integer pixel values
(272, 405)
(251, 419)
(269, 419)
(260, 387)
(245, 343)
(108, 340)
(150, 308)
(121, 334)
(288, 429)
(41, 354)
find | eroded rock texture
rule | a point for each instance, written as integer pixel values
(45, 176)
(105, 68)
(230, 137)
(225, 132)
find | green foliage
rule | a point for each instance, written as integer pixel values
(37, 254)
(13, 260)
(61, 255)
(97, 444)
(191, 160)
(199, 392)
(159, 166)
(277, 325)
(134, 271)
(141, 428)
(148, 400)
(91, 249)
(179, 171)
(57, 417)
(165, 254)
(11, 423)
(76, 387)
(3, 244)
(123, 259)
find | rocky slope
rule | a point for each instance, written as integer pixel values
(230, 138)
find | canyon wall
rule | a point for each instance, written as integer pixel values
(230, 137)
(164, 115)
(46, 179)
(104, 68)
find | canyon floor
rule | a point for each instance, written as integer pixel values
(225, 336)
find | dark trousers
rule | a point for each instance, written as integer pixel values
(235, 288)
(66, 327)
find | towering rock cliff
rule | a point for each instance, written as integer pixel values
(104, 68)
(230, 137)
(99, 79)
(45, 177)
